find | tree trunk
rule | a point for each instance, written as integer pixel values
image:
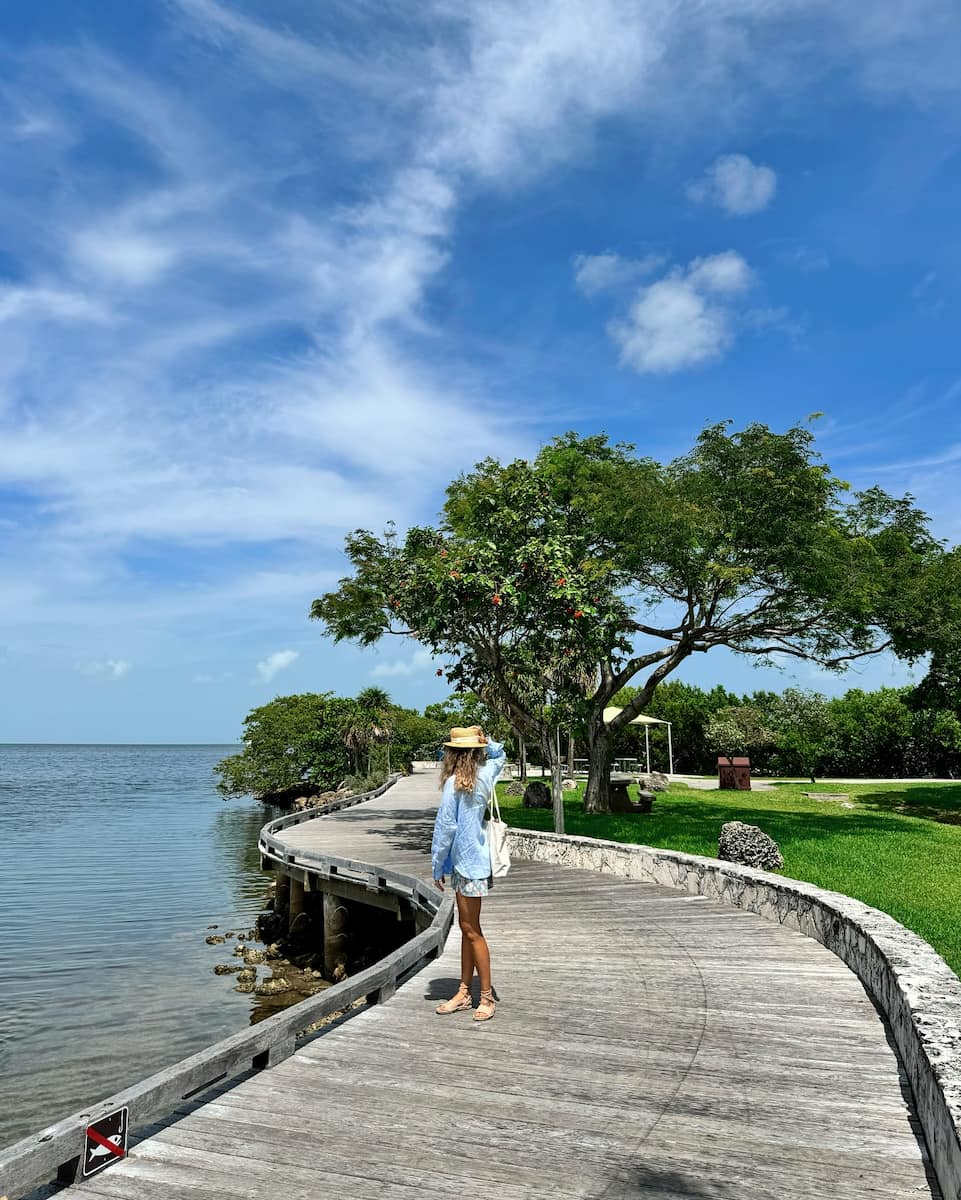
(570, 755)
(551, 750)
(521, 752)
(557, 795)
(597, 797)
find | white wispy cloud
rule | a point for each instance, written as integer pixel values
(268, 667)
(418, 663)
(595, 273)
(112, 668)
(686, 319)
(927, 296)
(808, 259)
(942, 458)
(127, 257)
(47, 304)
(736, 184)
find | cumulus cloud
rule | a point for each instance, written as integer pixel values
(723, 274)
(736, 184)
(416, 664)
(687, 319)
(268, 667)
(595, 273)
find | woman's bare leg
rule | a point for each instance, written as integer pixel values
(474, 951)
(466, 952)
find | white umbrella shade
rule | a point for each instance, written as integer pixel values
(611, 713)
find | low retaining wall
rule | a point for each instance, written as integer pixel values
(912, 985)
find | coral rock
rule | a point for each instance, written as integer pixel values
(749, 845)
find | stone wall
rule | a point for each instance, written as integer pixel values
(912, 985)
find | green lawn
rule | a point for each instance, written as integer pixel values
(909, 866)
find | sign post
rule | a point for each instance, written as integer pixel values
(105, 1143)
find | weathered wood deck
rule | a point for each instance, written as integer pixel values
(648, 1044)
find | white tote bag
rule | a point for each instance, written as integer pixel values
(497, 837)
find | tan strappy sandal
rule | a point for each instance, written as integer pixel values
(459, 1002)
(487, 1007)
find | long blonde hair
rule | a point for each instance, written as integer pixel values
(463, 765)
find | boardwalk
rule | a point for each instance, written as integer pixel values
(649, 1044)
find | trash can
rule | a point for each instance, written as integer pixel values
(734, 774)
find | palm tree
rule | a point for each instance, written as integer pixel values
(374, 721)
(353, 730)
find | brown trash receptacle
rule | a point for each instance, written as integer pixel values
(734, 774)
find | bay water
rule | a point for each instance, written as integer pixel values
(114, 861)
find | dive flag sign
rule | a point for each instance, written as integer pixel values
(106, 1142)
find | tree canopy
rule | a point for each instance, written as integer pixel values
(309, 743)
(292, 745)
(554, 583)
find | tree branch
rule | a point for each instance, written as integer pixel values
(642, 699)
(631, 668)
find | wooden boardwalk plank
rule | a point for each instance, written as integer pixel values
(648, 1044)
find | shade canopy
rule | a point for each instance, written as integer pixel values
(611, 713)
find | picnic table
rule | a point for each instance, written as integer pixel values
(621, 798)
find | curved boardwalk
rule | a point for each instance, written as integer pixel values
(648, 1044)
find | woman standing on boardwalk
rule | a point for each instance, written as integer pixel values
(461, 849)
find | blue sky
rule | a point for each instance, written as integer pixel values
(272, 271)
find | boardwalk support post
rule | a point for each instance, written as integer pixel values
(282, 893)
(336, 934)
(296, 903)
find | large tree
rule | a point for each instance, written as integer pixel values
(591, 562)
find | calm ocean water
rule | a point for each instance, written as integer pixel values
(115, 861)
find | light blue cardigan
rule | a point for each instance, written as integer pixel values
(460, 840)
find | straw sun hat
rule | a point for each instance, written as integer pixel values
(467, 739)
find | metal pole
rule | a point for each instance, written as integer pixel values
(670, 750)
(558, 794)
(647, 748)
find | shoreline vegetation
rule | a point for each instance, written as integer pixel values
(301, 750)
(892, 845)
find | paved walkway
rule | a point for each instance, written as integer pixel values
(649, 1044)
(759, 783)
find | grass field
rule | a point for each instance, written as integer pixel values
(907, 865)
